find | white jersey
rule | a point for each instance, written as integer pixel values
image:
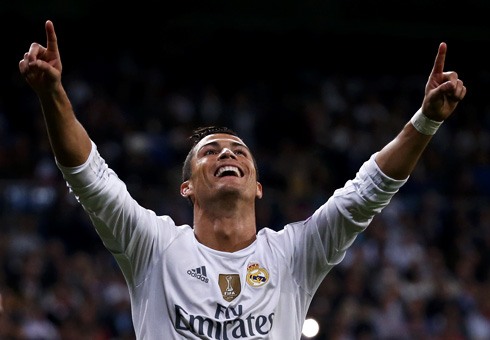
(181, 289)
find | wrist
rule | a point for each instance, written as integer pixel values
(51, 93)
(425, 125)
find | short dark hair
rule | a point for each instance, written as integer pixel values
(196, 137)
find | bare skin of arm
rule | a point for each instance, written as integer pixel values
(42, 68)
(71, 145)
(442, 94)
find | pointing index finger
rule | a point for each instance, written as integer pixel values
(440, 59)
(52, 41)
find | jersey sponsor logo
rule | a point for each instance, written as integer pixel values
(228, 323)
(199, 273)
(256, 276)
(230, 286)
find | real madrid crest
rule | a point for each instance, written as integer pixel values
(256, 276)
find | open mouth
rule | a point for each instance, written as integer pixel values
(228, 171)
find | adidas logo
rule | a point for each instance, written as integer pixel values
(199, 273)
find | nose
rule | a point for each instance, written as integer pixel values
(226, 153)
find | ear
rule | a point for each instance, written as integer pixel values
(186, 189)
(259, 191)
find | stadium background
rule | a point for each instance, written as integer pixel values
(314, 88)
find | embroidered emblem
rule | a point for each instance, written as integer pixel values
(230, 286)
(256, 276)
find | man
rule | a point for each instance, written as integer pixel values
(220, 279)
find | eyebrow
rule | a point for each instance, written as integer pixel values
(216, 144)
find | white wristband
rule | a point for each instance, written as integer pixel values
(424, 125)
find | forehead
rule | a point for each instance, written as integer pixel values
(222, 139)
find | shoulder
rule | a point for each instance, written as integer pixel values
(280, 239)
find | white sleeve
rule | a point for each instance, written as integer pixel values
(321, 242)
(129, 231)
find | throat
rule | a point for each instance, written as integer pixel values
(227, 239)
(231, 231)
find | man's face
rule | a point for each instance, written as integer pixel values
(222, 165)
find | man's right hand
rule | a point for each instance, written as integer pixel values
(41, 65)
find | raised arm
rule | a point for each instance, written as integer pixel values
(442, 93)
(41, 68)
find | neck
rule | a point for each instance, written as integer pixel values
(225, 226)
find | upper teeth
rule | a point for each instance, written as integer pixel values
(228, 168)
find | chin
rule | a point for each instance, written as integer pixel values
(231, 192)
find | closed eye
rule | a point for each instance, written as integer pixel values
(240, 152)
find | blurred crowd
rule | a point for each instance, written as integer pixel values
(420, 271)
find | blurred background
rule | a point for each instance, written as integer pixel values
(314, 88)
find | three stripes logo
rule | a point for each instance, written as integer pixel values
(199, 273)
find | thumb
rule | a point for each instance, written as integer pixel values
(447, 87)
(41, 65)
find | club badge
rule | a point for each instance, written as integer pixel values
(256, 276)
